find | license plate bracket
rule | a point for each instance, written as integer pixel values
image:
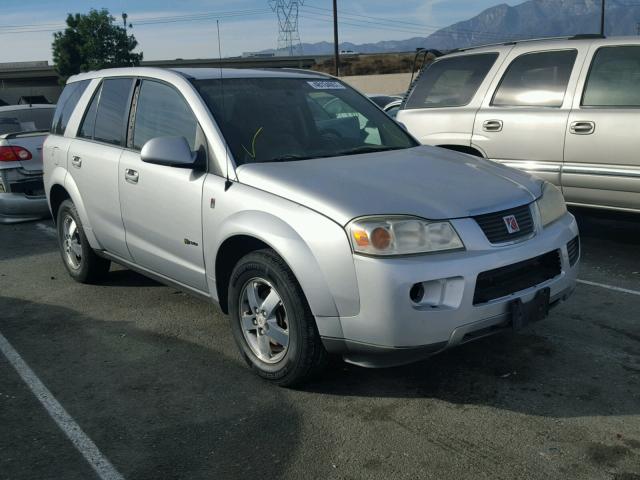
(524, 313)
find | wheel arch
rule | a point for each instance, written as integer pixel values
(57, 195)
(251, 230)
(70, 189)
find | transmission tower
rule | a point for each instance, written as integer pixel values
(288, 34)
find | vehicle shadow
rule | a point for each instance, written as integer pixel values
(570, 365)
(608, 225)
(156, 406)
(122, 277)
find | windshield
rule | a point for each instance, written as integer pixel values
(279, 119)
(25, 120)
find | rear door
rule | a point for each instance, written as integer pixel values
(94, 157)
(523, 118)
(602, 159)
(162, 205)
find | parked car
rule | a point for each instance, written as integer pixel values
(23, 129)
(389, 103)
(314, 220)
(393, 108)
(566, 110)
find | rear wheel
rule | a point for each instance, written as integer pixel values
(78, 257)
(271, 321)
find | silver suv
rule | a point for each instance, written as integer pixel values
(313, 219)
(566, 110)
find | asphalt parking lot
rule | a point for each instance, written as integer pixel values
(152, 377)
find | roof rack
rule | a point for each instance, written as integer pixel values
(580, 36)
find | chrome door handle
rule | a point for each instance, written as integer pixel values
(131, 175)
(582, 128)
(492, 126)
(76, 161)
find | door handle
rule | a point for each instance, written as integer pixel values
(131, 175)
(582, 128)
(76, 161)
(492, 126)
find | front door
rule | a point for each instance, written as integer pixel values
(162, 205)
(523, 118)
(602, 163)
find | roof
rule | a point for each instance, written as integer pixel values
(11, 108)
(198, 73)
(553, 42)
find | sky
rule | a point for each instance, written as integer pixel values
(187, 28)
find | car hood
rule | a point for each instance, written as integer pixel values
(427, 182)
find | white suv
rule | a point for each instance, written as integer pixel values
(567, 110)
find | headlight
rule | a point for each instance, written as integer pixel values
(551, 204)
(398, 235)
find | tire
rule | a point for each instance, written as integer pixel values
(264, 272)
(87, 267)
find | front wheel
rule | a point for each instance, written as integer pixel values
(81, 261)
(271, 320)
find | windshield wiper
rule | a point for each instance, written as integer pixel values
(288, 158)
(368, 149)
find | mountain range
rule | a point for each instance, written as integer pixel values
(531, 19)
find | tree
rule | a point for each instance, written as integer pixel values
(91, 42)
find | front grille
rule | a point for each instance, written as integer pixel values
(504, 281)
(494, 227)
(573, 249)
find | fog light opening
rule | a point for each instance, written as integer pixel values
(417, 293)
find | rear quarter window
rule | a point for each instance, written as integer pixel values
(450, 82)
(66, 105)
(108, 112)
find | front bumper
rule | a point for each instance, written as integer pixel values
(390, 329)
(18, 207)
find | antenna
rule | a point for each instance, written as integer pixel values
(227, 183)
(288, 35)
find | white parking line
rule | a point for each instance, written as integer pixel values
(72, 430)
(47, 230)
(610, 287)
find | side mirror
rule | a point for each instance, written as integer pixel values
(169, 151)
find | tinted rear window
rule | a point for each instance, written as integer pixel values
(112, 111)
(614, 78)
(26, 120)
(536, 80)
(66, 104)
(450, 82)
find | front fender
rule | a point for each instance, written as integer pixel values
(316, 248)
(297, 253)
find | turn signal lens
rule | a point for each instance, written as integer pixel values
(361, 238)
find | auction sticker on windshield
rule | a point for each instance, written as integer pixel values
(326, 85)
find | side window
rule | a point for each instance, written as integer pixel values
(614, 78)
(536, 80)
(66, 104)
(450, 82)
(89, 121)
(113, 110)
(162, 112)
